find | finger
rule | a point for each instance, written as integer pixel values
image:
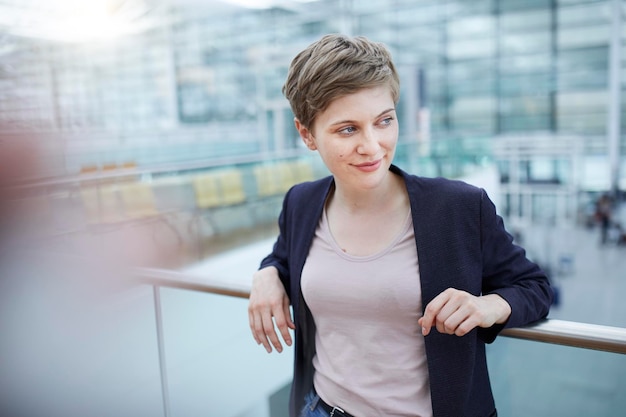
(253, 327)
(425, 326)
(432, 311)
(428, 319)
(281, 323)
(256, 326)
(465, 319)
(287, 313)
(270, 332)
(466, 326)
(450, 316)
(285, 322)
(260, 333)
(451, 323)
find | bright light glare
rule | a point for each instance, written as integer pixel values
(262, 4)
(253, 4)
(90, 20)
(81, 21)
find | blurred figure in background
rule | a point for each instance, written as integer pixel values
(603, 214)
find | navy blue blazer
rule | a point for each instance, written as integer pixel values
(462, 244)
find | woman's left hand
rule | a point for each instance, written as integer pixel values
(458, 312)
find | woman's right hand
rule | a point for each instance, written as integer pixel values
(268, 309)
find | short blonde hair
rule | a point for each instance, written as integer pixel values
(334, 66)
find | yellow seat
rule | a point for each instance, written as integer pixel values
(285, 176)
(231, 187)
(207, 191)
(302, 171)
(138, 200)
(101, 204)
(266, 180)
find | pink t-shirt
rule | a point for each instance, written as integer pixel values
(370, 358)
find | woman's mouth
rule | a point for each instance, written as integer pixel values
(369, 166)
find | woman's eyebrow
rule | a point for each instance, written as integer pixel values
(339, 122)
(387, 111)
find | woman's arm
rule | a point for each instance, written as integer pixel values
(508, 273)
(514, 290)
(268, 308)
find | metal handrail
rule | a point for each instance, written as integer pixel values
(163, 168)
(560, 332)
(575, 334)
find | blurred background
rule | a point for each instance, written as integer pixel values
(145, 147)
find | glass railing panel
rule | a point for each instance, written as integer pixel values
(519, 368)
(539, 379)
(214, 367)
(77, 339)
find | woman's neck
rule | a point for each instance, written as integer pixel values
(385, 197)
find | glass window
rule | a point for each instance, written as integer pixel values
(525, 63)
(470, 69)
(521, 43)
(473, 106)
(527, 104)
(582, 123)
(419, 12)
(465, 8)
(582, 78)
(471, 27)
(585, 14)
(523, 4)
(580, 37)
(582, 101)
(525, 84)
(570, 2)
(525, 20)
(419, 41)
(473, 125)
(583, 111)
(524, 123)
(596, 57)
(475, 48)
(480, 86)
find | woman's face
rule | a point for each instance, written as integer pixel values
(356, 137)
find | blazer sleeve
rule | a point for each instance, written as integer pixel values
(509, 273)
(279, 257)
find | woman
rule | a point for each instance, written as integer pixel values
(396, 281)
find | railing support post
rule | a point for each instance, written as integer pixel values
(161, 348)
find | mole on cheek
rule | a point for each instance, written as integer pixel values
(340, 155)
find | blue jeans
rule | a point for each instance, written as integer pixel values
(311, 407)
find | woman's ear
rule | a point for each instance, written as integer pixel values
(305, 134)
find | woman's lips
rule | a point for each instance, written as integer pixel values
(369, 166)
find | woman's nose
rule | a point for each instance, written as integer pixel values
(368, 143)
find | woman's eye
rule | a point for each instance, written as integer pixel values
(348, 130)
(386, 121)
